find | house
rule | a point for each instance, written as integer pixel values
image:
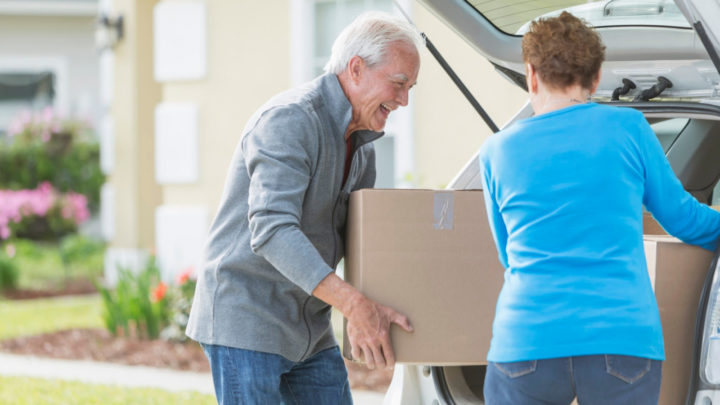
(48, 59)
(187, 74)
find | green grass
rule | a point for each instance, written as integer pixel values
(35, 391)
(32, 317)
(41, 267)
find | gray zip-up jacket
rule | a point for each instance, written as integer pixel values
(280, 227)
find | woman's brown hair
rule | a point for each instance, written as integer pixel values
(564, 51)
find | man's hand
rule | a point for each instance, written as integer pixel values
(369, 323)
(368, 330)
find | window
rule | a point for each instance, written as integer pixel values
(331, 16)
(22, 91)
(668, 130)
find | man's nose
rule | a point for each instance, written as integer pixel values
(402, 97)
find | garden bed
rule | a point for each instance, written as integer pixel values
(100, 345)
(71, 287)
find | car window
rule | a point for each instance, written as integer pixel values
(668, 130)
(513, 16)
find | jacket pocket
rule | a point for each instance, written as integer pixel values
(627, 368)
(516, 368)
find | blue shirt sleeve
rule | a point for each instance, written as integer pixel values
(677, 211)
(497, 225)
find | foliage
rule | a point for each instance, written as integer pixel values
(31, 391)
(42, 263)
(33, 317)
(75, 249)
(41, 213)
(8, 272)
(180, 300)
(45, 148)
(138, 305)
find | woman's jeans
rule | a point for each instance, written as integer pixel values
(248, 377)
(595, 380)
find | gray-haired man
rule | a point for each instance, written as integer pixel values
(261, 306)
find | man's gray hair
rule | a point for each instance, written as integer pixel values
(369, 37)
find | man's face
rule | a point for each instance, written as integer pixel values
(384, 87)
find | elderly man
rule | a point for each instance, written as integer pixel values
(262, 304)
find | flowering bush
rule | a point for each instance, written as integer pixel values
(180, 301)
(43, 147)
(40, 213)
(47, 126)
(138, 305)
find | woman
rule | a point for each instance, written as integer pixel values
(564, 192)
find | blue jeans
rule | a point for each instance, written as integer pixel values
(595, 380)
(248, 377)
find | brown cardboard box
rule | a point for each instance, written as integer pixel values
(447, 280)
(430, 255)
(678, 271)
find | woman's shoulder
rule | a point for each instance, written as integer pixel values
(613, 111)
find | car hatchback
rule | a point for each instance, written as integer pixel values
(661, 59)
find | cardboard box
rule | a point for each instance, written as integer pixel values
(430, 255)
(678, 272)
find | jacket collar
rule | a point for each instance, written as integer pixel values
(341, 110)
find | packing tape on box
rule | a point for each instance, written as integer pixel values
(443, 210)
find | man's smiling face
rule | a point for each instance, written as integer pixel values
(383, 88)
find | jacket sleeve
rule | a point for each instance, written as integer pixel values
(497, 224)
(677, 211)
(280, 152)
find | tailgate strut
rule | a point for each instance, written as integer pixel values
(453, 76)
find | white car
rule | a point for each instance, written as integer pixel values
(661, 59)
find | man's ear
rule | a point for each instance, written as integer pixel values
(596, 82)
(356, 66)
(531, 78)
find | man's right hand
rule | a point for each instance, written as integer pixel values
(368, 330)
(368, 324)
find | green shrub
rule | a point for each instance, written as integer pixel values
(138, 305)
(25, 166)
(44, 147)
(76, 248)
(8, 273)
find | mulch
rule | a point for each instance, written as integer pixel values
(70, 287)
(100, 345)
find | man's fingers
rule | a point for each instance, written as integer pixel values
(355, 352)
(388, 354)
(378, 356)
(403, 321)
(369, 358)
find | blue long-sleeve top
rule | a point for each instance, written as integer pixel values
(564, 193)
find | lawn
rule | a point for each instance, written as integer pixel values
(32, 391)
(32, 317)
(41, 266)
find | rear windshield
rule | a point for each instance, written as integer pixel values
(514, 16)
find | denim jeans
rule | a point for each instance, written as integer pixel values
(248, 377)
(594, 380)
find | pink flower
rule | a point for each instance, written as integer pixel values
(14, 205)
(48, 114)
